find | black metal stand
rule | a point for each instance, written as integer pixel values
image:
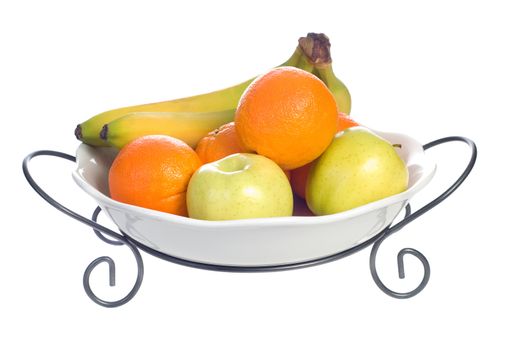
(123, 239)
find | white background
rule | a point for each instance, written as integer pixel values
(426, 69)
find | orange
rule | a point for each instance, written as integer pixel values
(287, 115)
(219, 143)
(153, 172)
(299, 176)
(345, 121)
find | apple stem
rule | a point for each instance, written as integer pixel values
(397, 145)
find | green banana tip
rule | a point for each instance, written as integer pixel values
(103, 132)
(78, 132)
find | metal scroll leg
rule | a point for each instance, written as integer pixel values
(409, 217)
(118, 239)
(401, 268)
(121, 240)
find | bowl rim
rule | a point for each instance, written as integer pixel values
(428, 166)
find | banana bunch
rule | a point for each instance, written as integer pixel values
(191, 118)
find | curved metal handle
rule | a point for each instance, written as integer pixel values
(409, 217)
(97, 228)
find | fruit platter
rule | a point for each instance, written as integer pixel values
(271, 174)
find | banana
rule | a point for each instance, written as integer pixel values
(316, 50)
(336, 86)
(189, 127)
(312, 54)
(305, 64)
(225, 99)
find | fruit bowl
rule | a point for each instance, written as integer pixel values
(252, 242)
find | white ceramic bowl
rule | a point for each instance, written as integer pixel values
(252, 242)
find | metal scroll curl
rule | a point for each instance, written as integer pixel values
(117, 239)
(409, 217)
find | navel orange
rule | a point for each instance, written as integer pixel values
(153, 172)
(219, 143)
(287, 115)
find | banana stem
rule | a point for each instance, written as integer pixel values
(299, 60)
(305, 64)
(316, 51)
(316, 47)
(294, 59)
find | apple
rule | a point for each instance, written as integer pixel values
(239, 186)
(357, 168)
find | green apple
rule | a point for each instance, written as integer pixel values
(239, 186)
(357, 168)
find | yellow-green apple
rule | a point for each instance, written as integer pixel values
(357, 168)
(239, 186)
